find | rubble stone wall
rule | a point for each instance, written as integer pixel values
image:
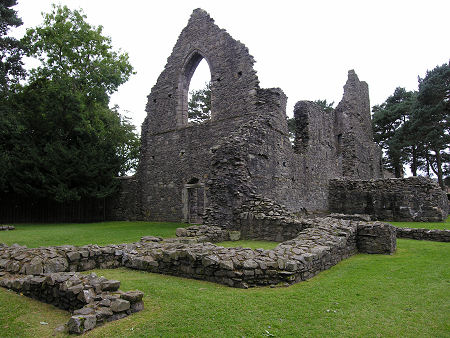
(320, 244)
(93, 300)
(263, 219)
(205, 173)
(359, 155)
(244, 149)
(376, 238)
(313, 250)
(417, 199)
(424, 234)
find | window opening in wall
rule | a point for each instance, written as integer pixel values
(199, 97)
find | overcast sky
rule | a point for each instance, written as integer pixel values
(303, 47)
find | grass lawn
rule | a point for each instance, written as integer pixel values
(423, 225)
(249, 244)
(35, 235)
(405, 294)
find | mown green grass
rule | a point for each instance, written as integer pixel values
(249, 244)
(35, 235)
(424, 225)
(402, 295)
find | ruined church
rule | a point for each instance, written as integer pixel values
(211, 172)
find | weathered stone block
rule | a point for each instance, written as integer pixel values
(110, 285)
(81, 323)
(119, 305)
(132, 296)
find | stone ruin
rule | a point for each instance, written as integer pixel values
(238, 174)
(51, 274)
(210, 172)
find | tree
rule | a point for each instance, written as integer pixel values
(430, 120)
(68, 46)
(11, 50)
(390, 123)
(71, 143)
(199, 105)
(11, 71)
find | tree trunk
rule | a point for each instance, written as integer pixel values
(439, 169)
(398, 171)
(414, 161)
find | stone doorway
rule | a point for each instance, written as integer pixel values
(194, 202)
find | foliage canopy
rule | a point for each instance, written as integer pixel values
(65, 143)
(11, 50)
(199, 105)
(413, 127)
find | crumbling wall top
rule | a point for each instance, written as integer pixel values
(234, 83)
(354, 109)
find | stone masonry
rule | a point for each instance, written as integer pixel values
(208, 172)
(319, 244)
(50, 274)
(416, 199)
(93, 300)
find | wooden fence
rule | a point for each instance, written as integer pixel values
(16, 209)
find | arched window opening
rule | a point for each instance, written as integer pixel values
(199, 97)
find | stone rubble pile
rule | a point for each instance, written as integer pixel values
(93, 300)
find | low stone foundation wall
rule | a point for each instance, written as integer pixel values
(263, 219)
(376, 238)
(417, 199)
(204, 233)
(93, 300)
(424, 234)
(49, 273)
(35, 261)
(323, 243)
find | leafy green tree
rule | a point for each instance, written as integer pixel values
(11, 71)
(430, 121)
(68, 46)
(199, 105)
(71, 143)
(390, 123)
(11, 50)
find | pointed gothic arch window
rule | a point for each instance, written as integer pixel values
(194, 104)
(199, 94)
